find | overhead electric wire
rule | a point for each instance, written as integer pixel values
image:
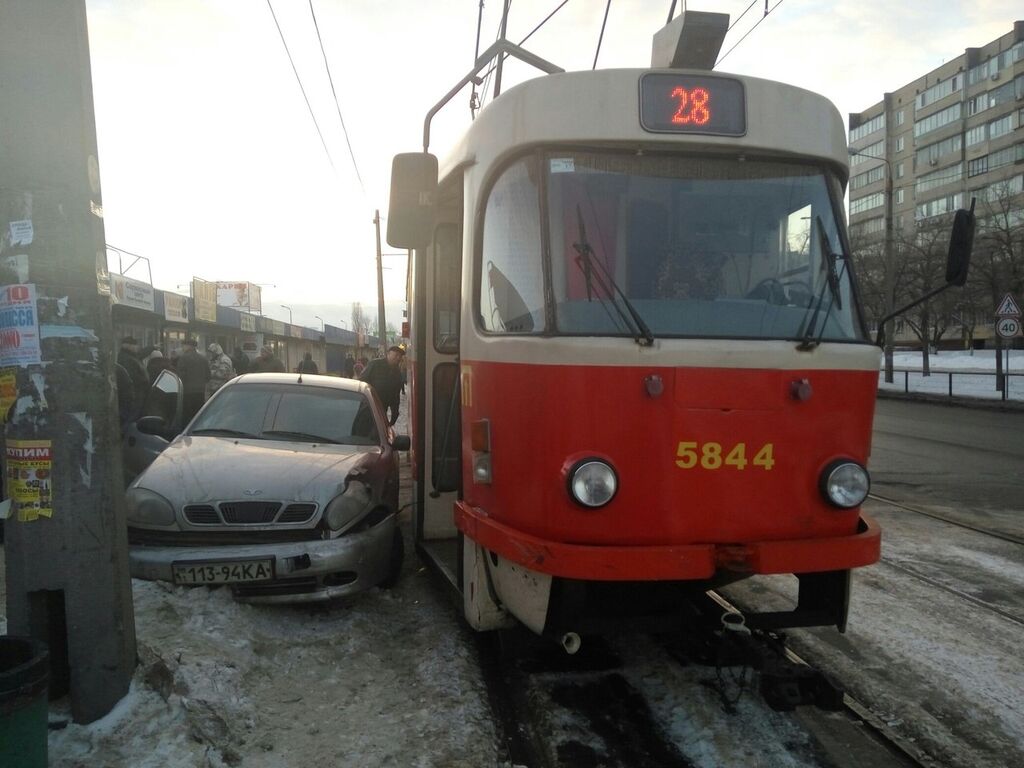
(766, 12)
(547, 18)
(301, 87)
(334, 93)
(600, 38)
(752, 4)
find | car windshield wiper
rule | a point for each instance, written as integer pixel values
(304, 436)
(223, 431)
(832, 278)
(605, 282)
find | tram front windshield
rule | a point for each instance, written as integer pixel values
(669, 246)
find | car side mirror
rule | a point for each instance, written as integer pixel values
(151, 425)
(961, 243)
(413, 200)
(401, 443)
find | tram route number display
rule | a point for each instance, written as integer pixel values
(1008, 327)
(671, 103)
(694, 455)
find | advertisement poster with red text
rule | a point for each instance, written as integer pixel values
(30, 478)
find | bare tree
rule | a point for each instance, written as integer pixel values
(360, 320)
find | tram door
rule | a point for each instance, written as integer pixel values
(440, 473)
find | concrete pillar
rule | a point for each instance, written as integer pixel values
(67, 563)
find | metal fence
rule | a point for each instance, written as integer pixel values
(971, 384)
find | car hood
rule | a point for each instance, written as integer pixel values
(201, 468)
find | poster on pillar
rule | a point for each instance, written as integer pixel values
(30, 478)
(19, 327)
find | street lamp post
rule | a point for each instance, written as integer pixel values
(289, 313)
(323, 326)
(889, 274)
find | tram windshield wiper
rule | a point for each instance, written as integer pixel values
(595, 273)
(828, 266)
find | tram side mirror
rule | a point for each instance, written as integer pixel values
(961, 243)
(413, 200)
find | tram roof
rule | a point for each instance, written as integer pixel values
(602, 108)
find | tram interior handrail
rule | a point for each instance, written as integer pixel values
(499, 48)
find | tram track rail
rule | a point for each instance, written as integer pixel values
(947, 519)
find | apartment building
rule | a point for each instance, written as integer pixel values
(955, 132)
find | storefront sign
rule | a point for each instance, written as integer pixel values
(238, 295)
(277, 328)
(175, 308)
(30, 478)
(248, 322)
(19, 328)
(204, 298)
(132, 293)
(295, 331)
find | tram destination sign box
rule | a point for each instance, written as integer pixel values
(678, 103)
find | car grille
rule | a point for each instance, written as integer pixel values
(202, 514)
(297, 513)
(249, 512)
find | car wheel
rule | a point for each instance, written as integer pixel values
(395, 566)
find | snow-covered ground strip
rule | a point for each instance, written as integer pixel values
(962, 364)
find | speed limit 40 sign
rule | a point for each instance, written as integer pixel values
(1008, 327)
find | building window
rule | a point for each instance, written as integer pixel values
(900, 143)
(869, 227)
(874, 151)
(899, 170)
(938, 206)
(978, 166)
(868, 177)
(976, 135)
(899, 197)
(939, 119)
(938, 178)
(938, 91)
(866, 203)
(876, 123)
(1000, 127)
(931, 154)
(899, 117)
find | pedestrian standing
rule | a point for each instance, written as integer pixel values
(267, 362)
(194, 371)
(307, 365)
(240, 360)
(349, 366)
(221, 369)
(130, 400)
(155, 363)
(384, 375)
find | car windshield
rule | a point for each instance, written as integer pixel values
(651, 245)
(293, 412)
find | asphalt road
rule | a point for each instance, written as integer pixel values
(966, 460)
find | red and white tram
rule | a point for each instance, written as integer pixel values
(638, 363)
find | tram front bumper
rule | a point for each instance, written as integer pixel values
(671, 562)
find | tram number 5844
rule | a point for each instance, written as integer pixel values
(691, 455)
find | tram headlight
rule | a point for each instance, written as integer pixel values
(592, 483)
(845, 484)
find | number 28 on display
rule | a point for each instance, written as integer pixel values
(690, 455)
(692, 106)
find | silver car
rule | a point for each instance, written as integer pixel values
(284, 486)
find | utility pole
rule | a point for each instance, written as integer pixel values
(67, 548)
(382, 333)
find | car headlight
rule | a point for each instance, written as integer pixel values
(845, 484)
(592, 483)
(347, 507)
(148, 507)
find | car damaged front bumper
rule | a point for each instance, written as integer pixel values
(303, 571)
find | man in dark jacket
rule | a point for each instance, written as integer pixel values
(240, 361)
(194, 371)
(130, 360)
(349, 368)
(307, 365)
(267, 362)
(384, 376)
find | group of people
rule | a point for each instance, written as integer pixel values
(138, 367)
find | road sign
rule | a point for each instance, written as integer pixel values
(1008, 307)
(1008, 327)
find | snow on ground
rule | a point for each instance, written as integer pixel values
(962, 364)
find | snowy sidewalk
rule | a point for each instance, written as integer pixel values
(970, 377)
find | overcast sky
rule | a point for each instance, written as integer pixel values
(211, 164)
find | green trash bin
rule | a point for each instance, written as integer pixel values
(24, 704)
